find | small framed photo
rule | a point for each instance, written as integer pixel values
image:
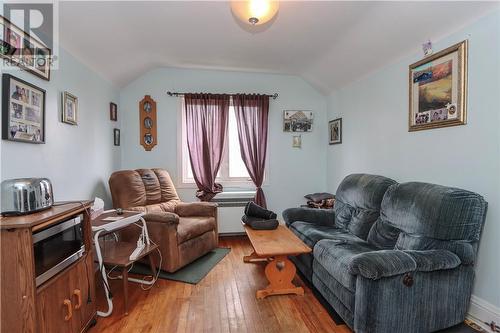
(335, 131)
(23, 111)
(297, 141)
(113, 112)
(70, 108)
(297, 121)
(116, 136)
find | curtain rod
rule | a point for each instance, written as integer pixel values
(178, 94)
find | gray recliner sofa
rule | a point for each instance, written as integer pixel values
(392, 257)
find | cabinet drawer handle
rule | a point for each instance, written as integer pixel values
(78, 295)
(67, 302)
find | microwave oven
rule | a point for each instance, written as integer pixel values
(57, 247)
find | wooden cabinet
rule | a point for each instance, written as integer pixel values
(63, 304)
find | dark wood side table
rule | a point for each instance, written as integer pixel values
(118, 254)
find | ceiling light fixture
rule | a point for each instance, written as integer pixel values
(255, 12)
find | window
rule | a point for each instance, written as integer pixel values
(232, 172)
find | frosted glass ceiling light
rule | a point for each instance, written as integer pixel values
(255, 12)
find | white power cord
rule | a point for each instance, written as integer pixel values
(144, 282)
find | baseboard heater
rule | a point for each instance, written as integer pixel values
(231, 209)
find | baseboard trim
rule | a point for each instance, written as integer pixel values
(482, 312)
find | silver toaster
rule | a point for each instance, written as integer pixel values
(26, 195)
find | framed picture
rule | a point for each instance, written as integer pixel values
(438, 89)
(335, 130)
(297, 121)
(113, 111)
(69, 108)
(23, 111)
(297, 141)
(23, 50)
(116, 136)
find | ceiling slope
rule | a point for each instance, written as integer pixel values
(328, 43)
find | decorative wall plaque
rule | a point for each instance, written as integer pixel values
(147, 118)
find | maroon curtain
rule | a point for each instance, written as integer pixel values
(251, 116)
(206, 124)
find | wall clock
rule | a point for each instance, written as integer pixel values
(147, 118)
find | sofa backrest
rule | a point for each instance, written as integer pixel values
(141, 187)
(429, 211)
(357, 202)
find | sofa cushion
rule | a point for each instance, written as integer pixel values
(311, 233)
(164, 207)
(127, 189)
(335, 255)
(141, 187)
(383, 235)
(151, 184)
(168, 191)
(434, 211)
(357, 204)
(191, 227)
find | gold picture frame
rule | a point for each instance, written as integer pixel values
(438, 89)
(69, 108)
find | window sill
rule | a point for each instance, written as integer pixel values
(228, 186)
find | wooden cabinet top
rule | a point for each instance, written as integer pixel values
(59, 210)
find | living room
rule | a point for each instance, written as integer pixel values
(385, 114)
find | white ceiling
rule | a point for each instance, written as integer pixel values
(328, 43)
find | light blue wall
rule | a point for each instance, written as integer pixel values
(292, 172)
(77, 159)
(376, 138)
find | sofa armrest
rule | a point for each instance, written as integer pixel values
(434, 260)
(162, 217)
(310, 215)
(385, 263)
(185, 209)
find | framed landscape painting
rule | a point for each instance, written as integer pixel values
(438, 89)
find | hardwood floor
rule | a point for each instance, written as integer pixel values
(224, 301)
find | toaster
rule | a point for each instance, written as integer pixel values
(26, 195)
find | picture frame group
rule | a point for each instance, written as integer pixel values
(23, 111)
(22, 50)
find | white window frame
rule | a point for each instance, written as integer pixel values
(183, 160)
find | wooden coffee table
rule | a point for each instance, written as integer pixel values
(275, 246)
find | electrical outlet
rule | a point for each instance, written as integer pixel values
(493, 326)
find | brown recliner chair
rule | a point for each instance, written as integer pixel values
(183, 231)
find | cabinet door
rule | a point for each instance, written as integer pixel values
(63, 303)
(81, 283)
(54, 307)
